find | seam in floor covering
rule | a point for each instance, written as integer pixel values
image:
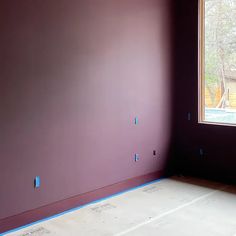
(170, 212)
(80, 207)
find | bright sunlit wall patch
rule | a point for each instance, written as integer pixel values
(217, 61)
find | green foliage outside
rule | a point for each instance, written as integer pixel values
(220, 45)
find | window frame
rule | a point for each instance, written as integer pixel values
(201, 69)
(201, 61)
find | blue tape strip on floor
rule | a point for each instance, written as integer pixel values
(79, 207)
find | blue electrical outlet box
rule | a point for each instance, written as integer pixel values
(201, 152)
(136, 120)
(189, 116)
(136, 157)
(37, 182)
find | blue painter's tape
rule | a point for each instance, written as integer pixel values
(80, 207)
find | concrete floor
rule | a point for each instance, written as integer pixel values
(176, 206)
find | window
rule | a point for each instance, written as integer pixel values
(217, 61)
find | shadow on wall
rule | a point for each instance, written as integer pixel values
(190, 138)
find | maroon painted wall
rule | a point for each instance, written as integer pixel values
(217, 142)
(73, 75)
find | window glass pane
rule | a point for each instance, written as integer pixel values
(219, 52)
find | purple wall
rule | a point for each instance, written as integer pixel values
(218, 142)
(73, 76)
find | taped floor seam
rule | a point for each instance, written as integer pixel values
(171, 211)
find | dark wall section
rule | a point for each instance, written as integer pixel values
(73, 75)
(217, 157)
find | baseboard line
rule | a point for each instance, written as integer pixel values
(61, 207)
